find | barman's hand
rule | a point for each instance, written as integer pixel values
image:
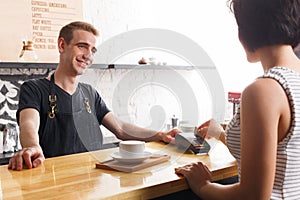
(169, 137)
(30, 157)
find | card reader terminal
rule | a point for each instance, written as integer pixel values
(189, 141)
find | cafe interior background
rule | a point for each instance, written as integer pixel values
(207, 23)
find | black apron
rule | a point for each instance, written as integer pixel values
(70, 132)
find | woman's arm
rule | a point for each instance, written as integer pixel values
(265, 114)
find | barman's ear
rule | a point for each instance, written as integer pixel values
(61, 44)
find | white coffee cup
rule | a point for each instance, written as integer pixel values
(131, 148)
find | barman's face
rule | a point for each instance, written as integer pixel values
(79, 53)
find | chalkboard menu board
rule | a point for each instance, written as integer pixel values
(35, 20)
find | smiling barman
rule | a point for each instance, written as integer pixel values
(58, 115)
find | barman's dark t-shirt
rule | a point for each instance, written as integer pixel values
(73, 129)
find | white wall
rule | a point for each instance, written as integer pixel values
(208, 22)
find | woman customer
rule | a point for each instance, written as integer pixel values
(264, 135)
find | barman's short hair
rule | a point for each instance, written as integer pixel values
(66, 32)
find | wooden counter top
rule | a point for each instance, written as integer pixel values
(75, 176)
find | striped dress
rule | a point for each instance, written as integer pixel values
(287, 177)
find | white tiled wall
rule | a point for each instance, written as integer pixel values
(150, 97)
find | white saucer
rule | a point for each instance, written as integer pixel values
(139, 158)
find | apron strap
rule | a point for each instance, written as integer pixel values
(52, 97)
(86, 101)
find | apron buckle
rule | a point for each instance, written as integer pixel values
(87, 105)
(52, 100)
(52, 114)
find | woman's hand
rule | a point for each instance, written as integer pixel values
(202, 129)
(197, 175)
(210, 128)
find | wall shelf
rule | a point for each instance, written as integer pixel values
(28, 65)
